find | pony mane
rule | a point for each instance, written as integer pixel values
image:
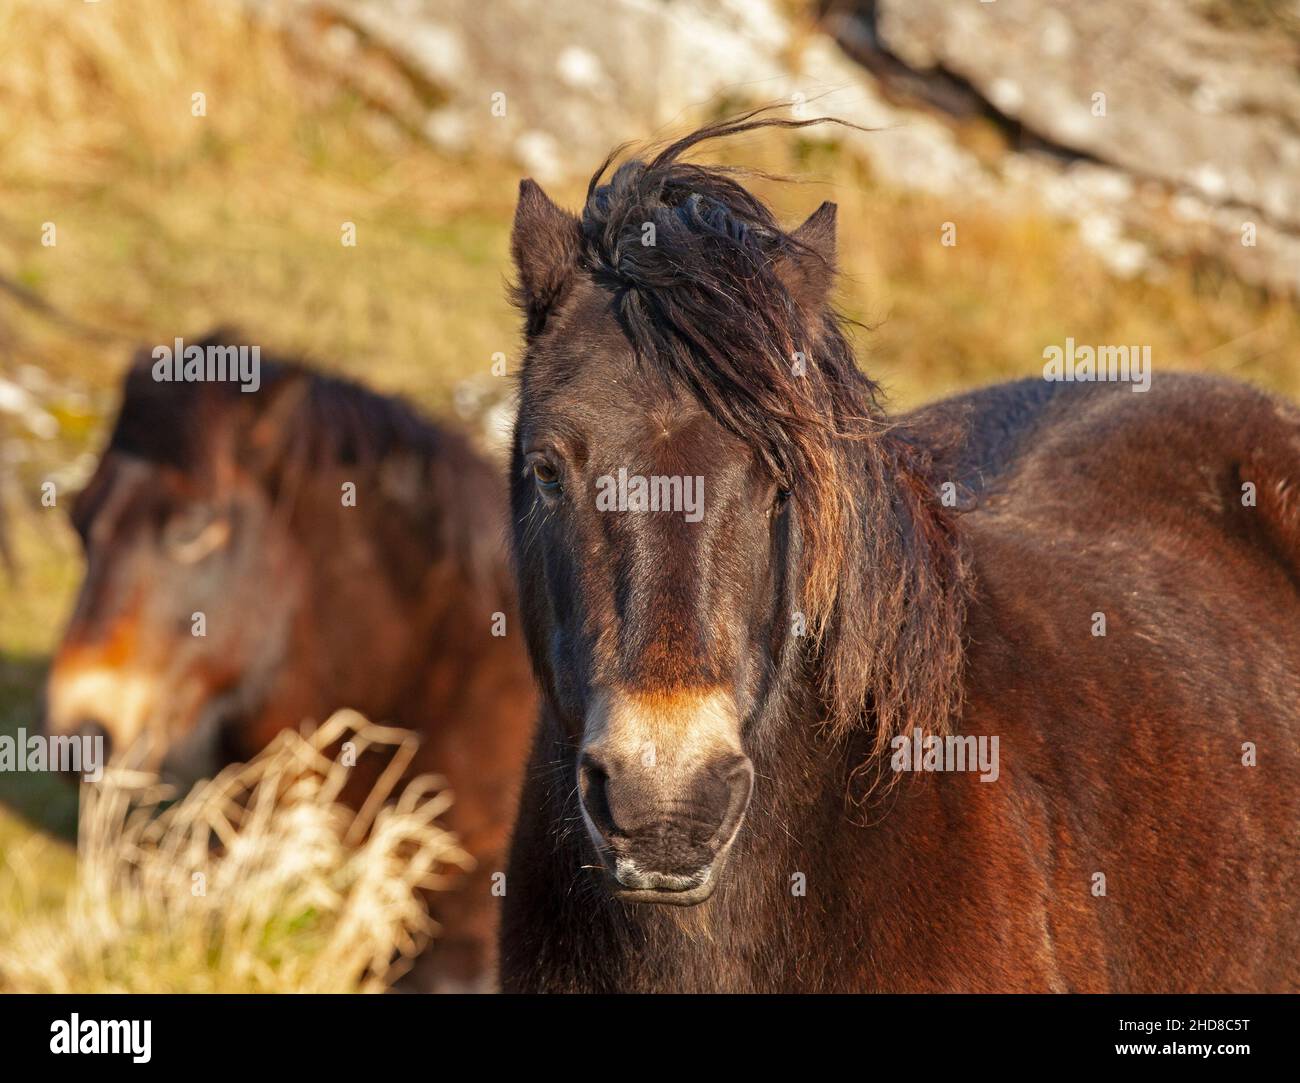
(717, 302)
(333, 420)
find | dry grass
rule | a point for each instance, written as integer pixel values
(169, 223)
(942, 319)
(258, 881)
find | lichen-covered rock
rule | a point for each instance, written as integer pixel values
(1151, 86)
(1154, 127)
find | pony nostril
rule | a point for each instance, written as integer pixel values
(593, 784)
(589, 768)
(738, 771)
(740, 783)
(92, 729)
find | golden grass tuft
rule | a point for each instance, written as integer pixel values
(260, 880)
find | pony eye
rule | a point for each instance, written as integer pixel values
(546, 476)
(191, 536)
(780, 497)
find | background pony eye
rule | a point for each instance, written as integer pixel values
(194, 534)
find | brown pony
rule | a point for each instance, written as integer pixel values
(342, 552)
(1002, 695)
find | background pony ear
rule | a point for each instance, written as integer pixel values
(808, 270)
(270, 435)
(544, 244)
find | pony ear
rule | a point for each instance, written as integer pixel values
(807, 270)
(544, 244)
(270, 434)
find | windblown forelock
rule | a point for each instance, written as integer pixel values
(701, 300)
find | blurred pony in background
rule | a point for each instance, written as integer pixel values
(256, 561)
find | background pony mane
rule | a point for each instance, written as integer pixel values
(725, 300)
(300, 423)
(333, 419)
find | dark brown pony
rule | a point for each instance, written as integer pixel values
(735, 783)
(343, 552)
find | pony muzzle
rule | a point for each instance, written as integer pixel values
(662, 802)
